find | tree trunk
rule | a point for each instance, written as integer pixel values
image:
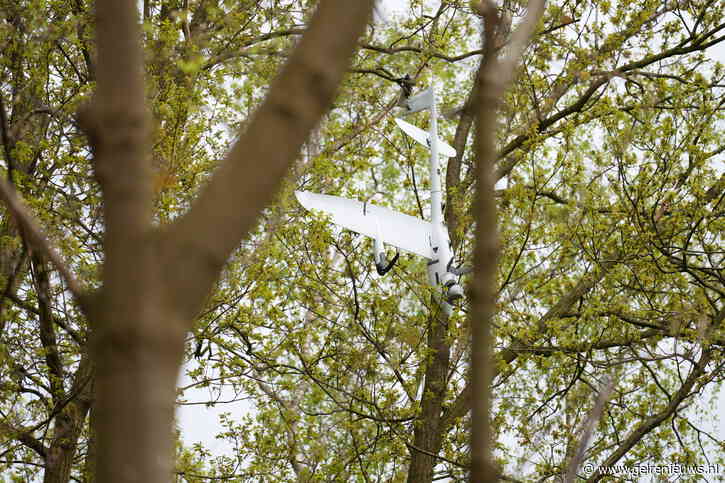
(136, 392)
(89, 466)
(428, 432)
(68, 425)
(137, 341)
(493, 78)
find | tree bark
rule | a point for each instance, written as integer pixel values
(485, 257)
(68, 425)
(137, 345)
(428, 434)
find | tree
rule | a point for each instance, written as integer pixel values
(610, 261)
(587, 289)
(138, 326)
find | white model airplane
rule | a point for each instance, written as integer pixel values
(428, 239)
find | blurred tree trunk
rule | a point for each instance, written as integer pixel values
(493, 78)
(154, 283)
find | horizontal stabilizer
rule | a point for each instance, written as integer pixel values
(419, 102)
(403, 231)
(422, 137)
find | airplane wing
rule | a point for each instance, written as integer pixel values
(422, 137)
(403, 231)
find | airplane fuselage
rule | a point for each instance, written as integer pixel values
(440, 266)
(441, 257)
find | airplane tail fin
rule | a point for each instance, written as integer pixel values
(418, 102)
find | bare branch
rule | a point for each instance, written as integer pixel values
(595, 415)
(655, 420)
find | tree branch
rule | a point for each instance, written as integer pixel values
(505, 168)
(6, 140)
(36, 238)
(24, 436)
(253, 170)
(233, 54)
(47, 329)
(605, 391)
(462, 404)
(652, 422)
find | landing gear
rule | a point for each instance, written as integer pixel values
(380, 265)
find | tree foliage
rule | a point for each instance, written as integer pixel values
(610, 220)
